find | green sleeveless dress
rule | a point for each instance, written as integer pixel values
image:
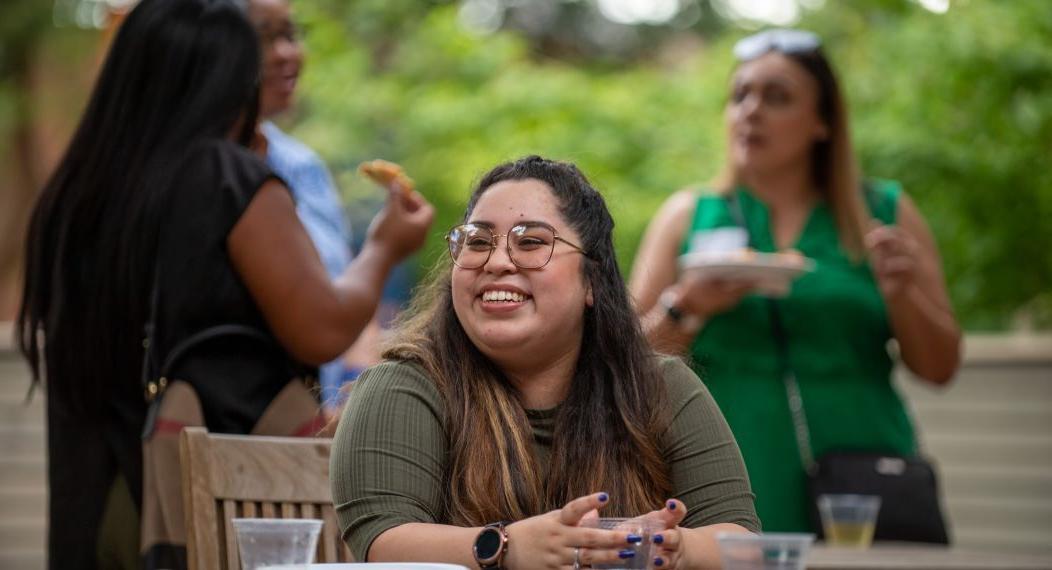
(837, 328)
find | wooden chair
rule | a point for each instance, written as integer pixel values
(237, 476)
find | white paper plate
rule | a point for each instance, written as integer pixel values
(773, 273)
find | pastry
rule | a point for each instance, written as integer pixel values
(384, 173)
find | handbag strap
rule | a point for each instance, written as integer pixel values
(792, 390)
(781, 341)
(155, 379)
(150, 388)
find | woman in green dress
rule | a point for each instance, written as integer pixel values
(792, 183)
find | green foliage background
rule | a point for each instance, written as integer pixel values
(958, 106)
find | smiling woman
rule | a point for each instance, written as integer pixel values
(282, 54)
(520, 395)
(535, 312)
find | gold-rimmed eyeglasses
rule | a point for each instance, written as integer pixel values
(530, 245)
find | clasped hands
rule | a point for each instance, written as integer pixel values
(558, 539)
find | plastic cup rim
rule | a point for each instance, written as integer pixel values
(275, 524)
(771, 537)
(849, 497)
(597, 522)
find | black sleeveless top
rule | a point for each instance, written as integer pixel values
(235, 378)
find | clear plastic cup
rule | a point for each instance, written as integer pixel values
(774, 551)
(646, 528)
(848, 521)
(262, 543)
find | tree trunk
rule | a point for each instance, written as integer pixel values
(22, 181)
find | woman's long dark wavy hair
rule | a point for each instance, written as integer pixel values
(606, 431)
(179, 72)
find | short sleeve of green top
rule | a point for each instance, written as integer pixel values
(390, 454)
(837, 328)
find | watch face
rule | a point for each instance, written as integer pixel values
(487, 545)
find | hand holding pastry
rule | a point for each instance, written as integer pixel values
(400, 228)
(386, 174)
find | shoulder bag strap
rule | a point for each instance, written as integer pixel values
(155, 379)
(781, 340)
(150, 388)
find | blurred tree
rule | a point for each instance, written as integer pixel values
(956, 105)
(45, 73)
(955, 109)
(959, 107)
(22, 25)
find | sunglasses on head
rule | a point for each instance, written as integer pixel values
(779, 39)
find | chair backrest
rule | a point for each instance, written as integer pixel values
(242, 476)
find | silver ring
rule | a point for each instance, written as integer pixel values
(577, 558)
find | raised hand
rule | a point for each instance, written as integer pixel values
(893, 256)
(400, 228)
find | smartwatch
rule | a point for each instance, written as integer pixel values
(491, 545)
(687, 323)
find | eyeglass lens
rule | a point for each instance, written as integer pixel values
(530, 246)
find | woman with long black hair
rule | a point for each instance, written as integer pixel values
(157, 195)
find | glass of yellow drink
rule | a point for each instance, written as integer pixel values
(849, 520)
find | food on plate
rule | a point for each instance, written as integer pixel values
(384, 173)
(771, 273)
(787, 257)
(744, 254)
(791, 257)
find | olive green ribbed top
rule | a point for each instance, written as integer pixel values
(389, 458)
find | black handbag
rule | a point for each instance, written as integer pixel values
(907, 485)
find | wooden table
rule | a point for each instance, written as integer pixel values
(922, 557)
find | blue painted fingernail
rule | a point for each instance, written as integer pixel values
(659, 561)
(672, 505)
(634, 539)
(628, 553)
(658, 539)
(603, 497)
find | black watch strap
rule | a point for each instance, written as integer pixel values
(675, 314)
(686, 322)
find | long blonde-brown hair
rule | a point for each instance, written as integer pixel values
(606, 435)
(834, 166)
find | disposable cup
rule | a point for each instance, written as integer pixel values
(643, 558)
(262, 543)
(848, 521)
(774, 551)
